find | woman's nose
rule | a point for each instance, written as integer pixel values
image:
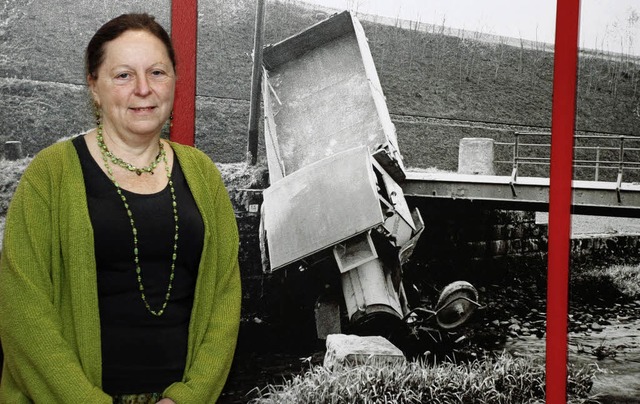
(142, 85)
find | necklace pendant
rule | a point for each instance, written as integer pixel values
(161, 156)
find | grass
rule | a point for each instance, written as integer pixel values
(611, 282)
(626, 278)
(502, 380)
(423, 74)
(601, 283)
(10, 173)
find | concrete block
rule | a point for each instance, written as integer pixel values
(531, 245)
(518, 230)
(13, 150)
(498, 247)
(352, 350)
(475, 156)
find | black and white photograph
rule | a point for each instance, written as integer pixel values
(320, 201)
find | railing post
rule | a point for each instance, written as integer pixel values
(620, 170)
(621, 158)
(597, 175)
(514, 172)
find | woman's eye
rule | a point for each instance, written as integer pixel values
(123, 76)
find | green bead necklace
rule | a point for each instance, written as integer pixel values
(118, 161)
(162, 155)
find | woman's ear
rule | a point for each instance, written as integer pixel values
(91, 81)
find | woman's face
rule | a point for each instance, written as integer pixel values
(135, 85)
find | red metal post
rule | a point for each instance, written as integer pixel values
(562, 132)
(184, 34)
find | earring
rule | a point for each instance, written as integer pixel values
(98, 121)
(171, 120)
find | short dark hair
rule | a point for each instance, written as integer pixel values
(94, 54)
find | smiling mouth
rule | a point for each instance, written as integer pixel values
(143, 109)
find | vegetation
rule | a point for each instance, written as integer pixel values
(439, 88)
(611, 283)
(10, 173)
(626, 278)
(503, 379)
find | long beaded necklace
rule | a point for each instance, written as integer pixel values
(162, 155)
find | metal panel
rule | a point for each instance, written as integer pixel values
(313, 37)
(274, 161)
(354, 252)
(395, 195)
(324, 96)
(320, 205)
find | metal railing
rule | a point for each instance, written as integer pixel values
(592, 153)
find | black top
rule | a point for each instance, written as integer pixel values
(142, 353)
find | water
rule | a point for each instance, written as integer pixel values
(615, 351)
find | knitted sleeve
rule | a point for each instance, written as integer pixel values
(214, 326)
(40, 366)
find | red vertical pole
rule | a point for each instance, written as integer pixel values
(561, 173)
(184, 34)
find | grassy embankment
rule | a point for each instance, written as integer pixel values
(502, 380)
(439, 88)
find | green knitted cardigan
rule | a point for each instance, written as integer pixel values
(49, 319)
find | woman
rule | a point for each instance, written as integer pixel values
(119, 278)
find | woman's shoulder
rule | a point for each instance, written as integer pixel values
(186, 150)
(55, 154)
(49, 167)
(191, 156)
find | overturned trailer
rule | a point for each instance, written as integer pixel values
(335, 202)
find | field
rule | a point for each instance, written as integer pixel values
(439, 88)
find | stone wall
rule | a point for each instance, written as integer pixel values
(606, 248)
(475, 243)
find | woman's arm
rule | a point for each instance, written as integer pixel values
(39, 362)
(211, 358)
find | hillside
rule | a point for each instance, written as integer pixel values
(439, 88)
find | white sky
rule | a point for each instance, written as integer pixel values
(604, 24)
